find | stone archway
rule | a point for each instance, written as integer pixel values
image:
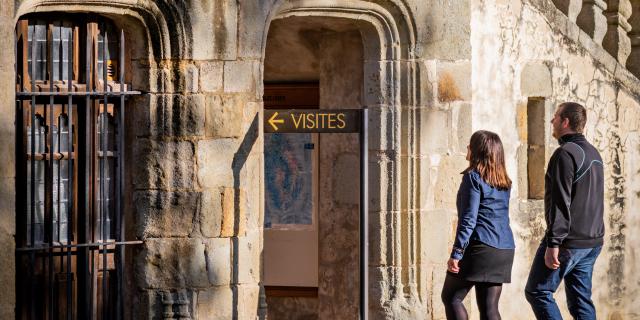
(388, 90)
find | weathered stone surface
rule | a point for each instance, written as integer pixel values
(143, 76)
(169, 115)
(571, 8)
(292, 38)
(437, 235)
(247, 254)
(166, 214)
(591, 19)
(225, 21)
(7, 139)
(629, 117)
(161, 304)
(216, 303)
(162, 80)
(164, 164)
(434, 130)
(380, 168)
(182, 115)
(536, 157)
(426, 92)
(294, 308)
(381, 253)
(215, 162)
(615, 40)
(342, 72)
(522, 181)
(425, 185)
(7, 47)
(6, 9)
(448, 180)
(251, 22)
(172, 263)
(203, 28)
(7, 161)
(437, 275)
(247, 301)
(191, 79)
(535, 80)
(211, 212)
(382, 118)
(378, 80)
(346, 187)
(234, 220)
(464, 121)
(254, 216)
(7, 276)
(632, 261)
(447, 34)
(218, 255)
(7, 101)
(211, 76)
(7, 206)
(239, 76)
(454, 81)
(142, 112)
(224, 116)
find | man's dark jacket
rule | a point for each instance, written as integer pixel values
(573, 197)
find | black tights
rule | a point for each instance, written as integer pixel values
(487, 297)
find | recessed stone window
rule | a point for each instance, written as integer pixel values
(70, 111)
(536, 160)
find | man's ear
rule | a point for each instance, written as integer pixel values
(565, 123)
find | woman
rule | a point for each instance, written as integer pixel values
(483, 250)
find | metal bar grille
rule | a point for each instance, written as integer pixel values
(70, 234)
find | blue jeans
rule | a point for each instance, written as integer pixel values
(576, 268)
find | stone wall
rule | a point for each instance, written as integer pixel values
(431, 74)
(522, 51)
(7, 159)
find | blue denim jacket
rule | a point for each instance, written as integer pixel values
(483, 215)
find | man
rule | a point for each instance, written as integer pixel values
(573, 201)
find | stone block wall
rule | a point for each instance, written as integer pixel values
(7, 159)
(431, 74)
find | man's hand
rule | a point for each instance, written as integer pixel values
(551, 258)
(452, 266)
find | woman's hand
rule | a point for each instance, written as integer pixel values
(452, 266)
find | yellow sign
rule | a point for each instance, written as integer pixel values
(311, 120)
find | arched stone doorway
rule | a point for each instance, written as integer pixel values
(326, 55)
(360, 54)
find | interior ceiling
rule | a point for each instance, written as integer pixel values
(292, 52)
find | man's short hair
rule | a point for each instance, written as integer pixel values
(576, 113)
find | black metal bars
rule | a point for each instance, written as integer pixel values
(70, 231)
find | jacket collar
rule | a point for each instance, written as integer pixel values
(571, 137)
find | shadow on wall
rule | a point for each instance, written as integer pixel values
(177, 269)
(239, 160)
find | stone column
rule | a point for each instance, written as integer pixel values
(569, 7)
(616, 41)
(633, 62)
(591, 19)
(7, 159)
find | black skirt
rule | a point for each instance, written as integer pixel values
(483, 263)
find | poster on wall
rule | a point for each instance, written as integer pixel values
(288, 161)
